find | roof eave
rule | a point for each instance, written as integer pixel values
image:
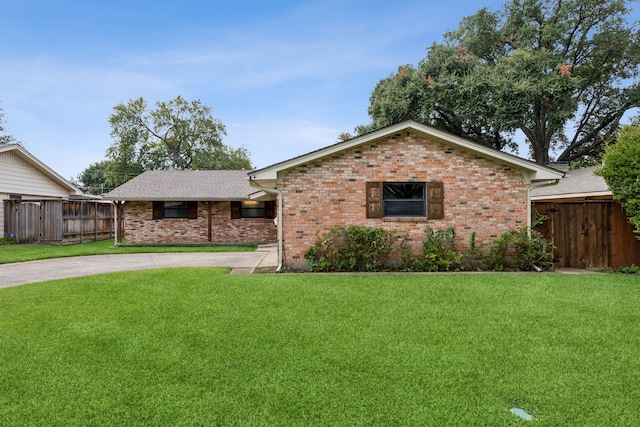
(571, 196)
(175, 199)
(535, 171)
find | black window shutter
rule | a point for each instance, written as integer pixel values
(435, 200)
(374, 199)
(236, 210)
(192, 210)
(270, 209)
(158, 210)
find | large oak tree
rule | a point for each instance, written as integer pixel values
(563, 72)
(177, 134)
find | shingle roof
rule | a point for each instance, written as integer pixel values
(203, 185)
(578, 182)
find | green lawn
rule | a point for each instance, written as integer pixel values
(19, 253)
(201, 347)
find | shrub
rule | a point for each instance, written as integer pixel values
(474, 258)
(519, 249)
(7, 241)
(438, 251)
(354, 248)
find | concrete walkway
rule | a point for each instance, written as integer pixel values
(264, 258)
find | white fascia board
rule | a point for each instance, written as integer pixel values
(534, 171)
(552, 197)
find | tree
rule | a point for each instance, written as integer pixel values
(4, 139)
(563, 72)
(621, 171)
(104, 176)
(175, 135)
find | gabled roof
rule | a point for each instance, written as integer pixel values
(187, 185)
(578, 183)
(32, 160)
(533, 172)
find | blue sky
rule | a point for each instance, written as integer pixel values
(285, 77)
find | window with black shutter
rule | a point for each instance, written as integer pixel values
(252, 209)
(175, 210)
(405, 199)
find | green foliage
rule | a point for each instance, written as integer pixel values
(21, 253)
(197, 346)
(4, 139)
(369, 249)
(537, 67)
(438, 251)
(621, 171)
(632, 270)
(354, 248)
(102, 177)
(473, 259)
(177, 134)
(4, 241)
(519, 250)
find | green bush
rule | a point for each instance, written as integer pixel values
(474, 258)
(359, 248)
(621, 171)
(438, 251)
(7, 241)
(354, 248)
(519, 249)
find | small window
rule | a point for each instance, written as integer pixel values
(404, 199)
(253, 209)
(175, 210)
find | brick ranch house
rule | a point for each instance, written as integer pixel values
(405, 177)
(192, 207)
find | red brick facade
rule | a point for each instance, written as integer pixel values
(479, 195)
(141, 228)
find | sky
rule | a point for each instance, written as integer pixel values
(285, 77)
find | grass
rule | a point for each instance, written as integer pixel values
(201, 347)
(25, 252)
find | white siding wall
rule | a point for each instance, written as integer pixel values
(2, 198)
(17, 176)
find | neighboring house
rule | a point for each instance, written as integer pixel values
(25, 179)
(190, 206)
(587, 227)
(405, 177)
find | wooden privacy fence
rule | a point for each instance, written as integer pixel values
(588, 234)
(58, 221)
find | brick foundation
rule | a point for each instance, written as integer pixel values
(141, 228)
(479, 195)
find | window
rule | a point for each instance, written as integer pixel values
(175, 210)
(405, 199)
(252, 209)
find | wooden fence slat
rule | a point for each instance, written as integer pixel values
(58, 221)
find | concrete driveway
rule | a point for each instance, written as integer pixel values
(62, 268)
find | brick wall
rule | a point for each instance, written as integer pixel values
(140, 227)
(480, 195)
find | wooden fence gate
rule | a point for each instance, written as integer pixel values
(588, 234)
(58, 221)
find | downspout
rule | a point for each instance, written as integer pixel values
(533, 186)
(278, 194)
